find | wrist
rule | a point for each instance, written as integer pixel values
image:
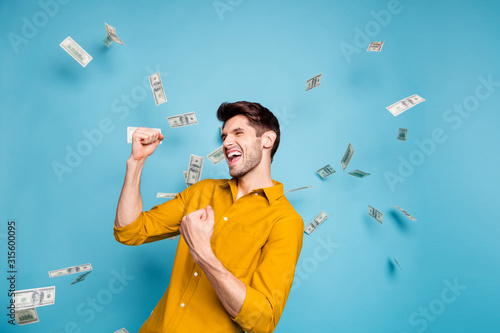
(132, 162)
(206, 256)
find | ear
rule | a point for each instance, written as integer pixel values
(268, 139)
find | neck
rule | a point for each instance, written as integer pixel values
(259, 177)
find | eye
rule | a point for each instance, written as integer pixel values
(239, 132)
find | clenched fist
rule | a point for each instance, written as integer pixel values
(144, 142)
(197, 229)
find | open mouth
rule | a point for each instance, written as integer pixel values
(233, 156)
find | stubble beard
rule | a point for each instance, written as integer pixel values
(253, 158)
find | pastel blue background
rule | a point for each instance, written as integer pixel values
(261, 51)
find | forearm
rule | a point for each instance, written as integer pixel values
(229, 288)
(130, 202)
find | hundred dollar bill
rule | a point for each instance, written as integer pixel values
(397, 263)
(359, 173)
(406, 213)
(402, 134)
(217, 155)
(185, 175)
(313, 82)
(375, 47)
(31, 298)
(183, 120)
(404, 104)
(112, 35)
(347, 156)
(298, 189)
(194, 169)
(131, 130)
(320, 218)
(121, 330)
(375, 214)
(26, 316)
(71, 270)
(326, 171)
(107, 41)
(81, 277)
(166, 195)
(157, 87)
(76, 51)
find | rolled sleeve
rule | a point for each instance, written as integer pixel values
(267, 294)
(160, 222)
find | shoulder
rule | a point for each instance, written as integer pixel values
(286, 212)
(209, 183)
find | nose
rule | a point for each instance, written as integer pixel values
(228, 141)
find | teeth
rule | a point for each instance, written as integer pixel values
(233, 153)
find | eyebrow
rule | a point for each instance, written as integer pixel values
(223, 135)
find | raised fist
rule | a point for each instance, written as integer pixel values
(144, 142)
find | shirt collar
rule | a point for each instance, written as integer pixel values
(272, 193)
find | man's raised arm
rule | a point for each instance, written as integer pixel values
(144, 143)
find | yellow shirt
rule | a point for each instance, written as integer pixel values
(258, 238)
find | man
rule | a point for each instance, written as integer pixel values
(240, 238)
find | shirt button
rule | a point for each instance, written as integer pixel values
(225, 218)
(195, 273)
(182, 305)
(256, 193)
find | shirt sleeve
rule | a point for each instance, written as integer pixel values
(268, 292)
(160, 222)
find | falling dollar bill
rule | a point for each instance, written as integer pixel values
(217, 155)
(402, 134)
(183, 120)
(375, 47)
(194, 169)
(131, 130)
(397, 263)
(325, 171)
(121, 330)
(157, 87)
(31, 298)
(313, 82)
(71, 270)
(404, 104)
(172, 238)
(112, 35)
(107, 41)
(76, 51)
(298, 189)
(406, 213)
(375, 214)
(359, 173)
(320, 218)
(81, 277)
(166, 195)
(347, 156)
(185, 175)
(26, 316)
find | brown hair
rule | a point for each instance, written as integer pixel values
(260, 118)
